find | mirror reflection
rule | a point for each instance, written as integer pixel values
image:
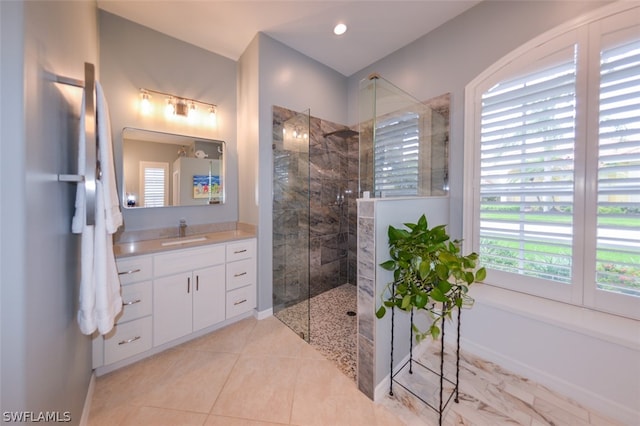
(162, 169)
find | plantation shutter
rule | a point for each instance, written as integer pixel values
(527, 172)
(397, 156)
(618, 234)
(154, 184)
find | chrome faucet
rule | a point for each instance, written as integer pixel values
(182, 229)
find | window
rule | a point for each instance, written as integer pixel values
(554, 209)
(397, 155)
(154, 184)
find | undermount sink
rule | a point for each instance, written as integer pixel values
(183, 241)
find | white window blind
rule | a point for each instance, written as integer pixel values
(526, 173)
(154, 182)
(618, 209)
(397, 155)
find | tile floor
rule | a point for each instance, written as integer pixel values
(260, 373)
(252, 373)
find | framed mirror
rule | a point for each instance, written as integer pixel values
(163, 169)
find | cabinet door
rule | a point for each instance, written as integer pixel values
(208, 296)
(172, 307)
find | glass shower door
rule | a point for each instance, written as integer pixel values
(291, 191)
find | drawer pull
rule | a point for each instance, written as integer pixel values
(188, 285)
(239, 251)
(240, 302)
(133, 339)
(197, 282)
(240, 274)
(133, 302)
(129, 272)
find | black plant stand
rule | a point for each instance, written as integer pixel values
(443, 399)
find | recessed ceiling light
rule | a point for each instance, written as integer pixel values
(340, 29)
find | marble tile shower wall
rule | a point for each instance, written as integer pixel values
(314, 211)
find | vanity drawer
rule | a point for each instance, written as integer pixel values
(127, 339)
(241, 300)
(241, 273)
(241, 250)
(188, 259)
(133, 269)
(136, 301)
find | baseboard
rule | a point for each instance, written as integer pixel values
(583, 396)
(84, 420)
(260, 315)
(382, 389)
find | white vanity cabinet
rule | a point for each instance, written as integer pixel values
(131, 333)
(241, 277)
(174, 295)
(191, 299)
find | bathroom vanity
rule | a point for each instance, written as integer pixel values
(177, 289)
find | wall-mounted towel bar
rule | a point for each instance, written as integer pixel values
(91, 164)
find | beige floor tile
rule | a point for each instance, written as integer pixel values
(128, 383)
(325, 396)
(164, 417)
(272, 338)
(213, 420)
(232, 338)
(193, 384)
(107, 412)
(259, 388)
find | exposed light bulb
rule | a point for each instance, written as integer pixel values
(170, 109)
(340, 29)
(192, 113)
(213, 119)
(145, 104)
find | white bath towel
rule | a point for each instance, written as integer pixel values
(100, 299)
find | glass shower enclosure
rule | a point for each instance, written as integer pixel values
(291, 231)
(403, 142)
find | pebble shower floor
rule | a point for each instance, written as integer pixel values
(333, 325)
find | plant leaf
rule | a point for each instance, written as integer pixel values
(481, 274)
(380, 312)
(406, 302)
(421, 300)
(389, 265)
(437, 295)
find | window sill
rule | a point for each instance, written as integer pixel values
(601, 325)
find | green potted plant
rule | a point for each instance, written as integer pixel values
(429, 274)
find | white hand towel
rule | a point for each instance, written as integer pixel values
(105, 155)
(100, 299)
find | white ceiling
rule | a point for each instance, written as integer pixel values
(376, 28)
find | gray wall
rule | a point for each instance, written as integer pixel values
(294, 81)
(520, 335)
(449, 57)
(46, 361)
(133, 57)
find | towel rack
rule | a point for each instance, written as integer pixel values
(91, 163)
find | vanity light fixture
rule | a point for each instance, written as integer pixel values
(177, 106)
